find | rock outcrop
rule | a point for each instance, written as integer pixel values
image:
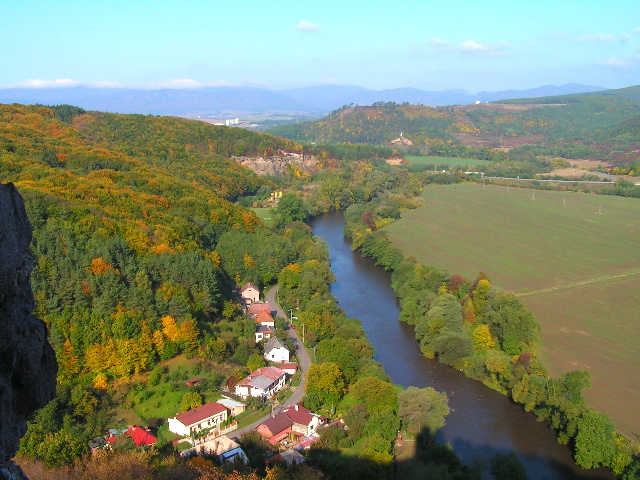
(277, 164)
(27, 362)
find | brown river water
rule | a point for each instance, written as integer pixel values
(482, 422)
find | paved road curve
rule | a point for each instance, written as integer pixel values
(303, 361)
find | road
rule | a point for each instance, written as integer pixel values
(303, 361)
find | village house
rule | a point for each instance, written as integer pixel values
(209, 415)
(250, 293)
(263, 332)
(265, 319)
(276, 351)
(256, 308)
(264, 382)
(292, 423)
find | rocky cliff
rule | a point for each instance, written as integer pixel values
(278, 164)
(27, 362)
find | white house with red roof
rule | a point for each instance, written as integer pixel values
(250, 293)
(209, 415)
(265, 319)
(263, 382)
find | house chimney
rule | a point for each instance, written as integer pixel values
(296, 407)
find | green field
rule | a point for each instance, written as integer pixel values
(574, 260)
(449, 161)
(265, 215)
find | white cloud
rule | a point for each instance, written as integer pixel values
(472, 47)
(637, 30)
(305, 26)
(39, 83)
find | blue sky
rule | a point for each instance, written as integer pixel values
(428, 44)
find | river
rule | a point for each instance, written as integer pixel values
(482, 421)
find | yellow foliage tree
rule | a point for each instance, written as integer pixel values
(99, 266)
(100, 382)
(482, 338)
(169, 327)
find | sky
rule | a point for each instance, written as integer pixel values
(428, 44)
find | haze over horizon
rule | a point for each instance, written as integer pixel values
(283, 44)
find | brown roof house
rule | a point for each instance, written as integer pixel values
(264, 382)
(209, 415)
(250, 293)
(295, 421)
(256, 308)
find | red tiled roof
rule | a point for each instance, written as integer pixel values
(255, 308)
(198, 414)
(271, 373)
(278, 423)
(264, 317)
(299, 415)
(140, 436)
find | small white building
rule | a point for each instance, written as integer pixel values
(264, 382)
(209, 415)
(276, 351)
(235, 408)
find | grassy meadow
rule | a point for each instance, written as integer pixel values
(571, 257)
(449, 161)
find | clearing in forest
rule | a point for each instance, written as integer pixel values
(572, 258)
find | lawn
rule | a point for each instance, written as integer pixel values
(264, 214)
(572, 257)
(449, 161)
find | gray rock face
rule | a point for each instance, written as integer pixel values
(27, 362)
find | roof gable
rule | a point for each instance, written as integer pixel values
(264, 317)
(274, 342)
(248, 286)
(300, 415)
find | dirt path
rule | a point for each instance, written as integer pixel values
(603, 278)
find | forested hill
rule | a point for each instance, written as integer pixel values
(599, 125)
(127, 211)
(133, 172)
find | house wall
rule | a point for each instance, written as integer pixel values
(278, 355)
(177, 427)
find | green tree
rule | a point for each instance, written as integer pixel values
(594, 442)
(190, 400)
(423, 408)
(290, 208)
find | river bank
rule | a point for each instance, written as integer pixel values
(482, 421)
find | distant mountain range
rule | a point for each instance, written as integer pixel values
(245, 100)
